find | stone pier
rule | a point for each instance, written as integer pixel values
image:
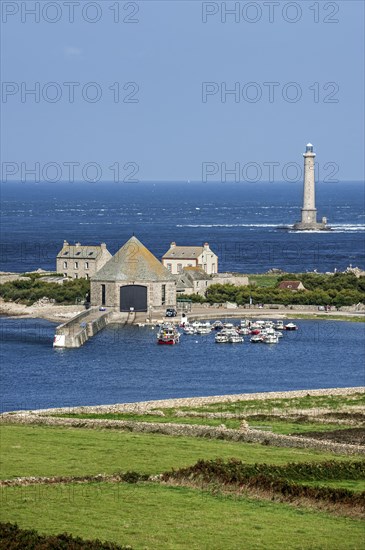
(77, 331)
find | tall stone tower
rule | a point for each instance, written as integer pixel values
(309, 211)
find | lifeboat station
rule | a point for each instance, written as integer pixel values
(133, 286)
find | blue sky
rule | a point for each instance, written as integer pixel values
(168, 131)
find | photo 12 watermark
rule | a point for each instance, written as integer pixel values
(70, 172)
(30, 12)
(266, 171)
(69, 92)
(269, 92)
(270, 12)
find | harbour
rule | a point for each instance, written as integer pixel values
(124, 364)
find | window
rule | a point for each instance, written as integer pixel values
(103, 295)
(213, 268)
(65, 274)
(205, 267)
(179, 268)
(87, 276)
(76, 265)
(163, 295)
(169, 267)
(76, 275)
(86, 265)
(64, 265)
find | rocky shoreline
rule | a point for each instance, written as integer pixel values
(142, 407)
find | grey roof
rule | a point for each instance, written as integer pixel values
(83, 252)
(133, 262)
(181, 252)
(196, 273)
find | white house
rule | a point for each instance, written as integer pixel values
(179, 257)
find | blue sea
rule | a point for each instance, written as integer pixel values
(240, 222)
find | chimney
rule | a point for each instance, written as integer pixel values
(206, 246)
(103, 246)
(172, 245)
(77, 244)
(65, 243)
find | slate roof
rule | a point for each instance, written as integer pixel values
(290, 285)
(183, 252)
(81, 252)
(133, 262)
(196, 273)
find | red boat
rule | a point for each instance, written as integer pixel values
(168, 335)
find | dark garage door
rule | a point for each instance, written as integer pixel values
(133, 296)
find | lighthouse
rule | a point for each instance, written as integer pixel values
(309, 211)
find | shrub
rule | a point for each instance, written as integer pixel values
(14, 538)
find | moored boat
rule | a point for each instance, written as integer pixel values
(291, 326)
(168, 335)
(256, 339)
(270, 339)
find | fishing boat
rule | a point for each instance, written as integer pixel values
(168, 335)
(217, 325)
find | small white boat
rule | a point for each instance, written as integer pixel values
(235, 339)
(244, 331)
(291, 326)
(278, 334)
(203, 330)
(221, 338)
(189, 330)
(256, 339)
(279, 325)
(217, 325)
(270, 339)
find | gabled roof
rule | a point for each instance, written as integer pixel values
(183, 252)
(133, 262)
(82, 252)
(292, 285)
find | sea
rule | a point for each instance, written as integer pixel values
(246, 224)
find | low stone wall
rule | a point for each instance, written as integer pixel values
(187, 430)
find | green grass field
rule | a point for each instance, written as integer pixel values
(276, 425)
(54, 451)
(152, 516)
(149, 515)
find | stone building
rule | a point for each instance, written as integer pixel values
(81, 261)
(133, 280)
(179, 257)
(194, 280)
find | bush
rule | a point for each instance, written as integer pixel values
(30, 291)
(14, 538)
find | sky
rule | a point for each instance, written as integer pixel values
(138, 90)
